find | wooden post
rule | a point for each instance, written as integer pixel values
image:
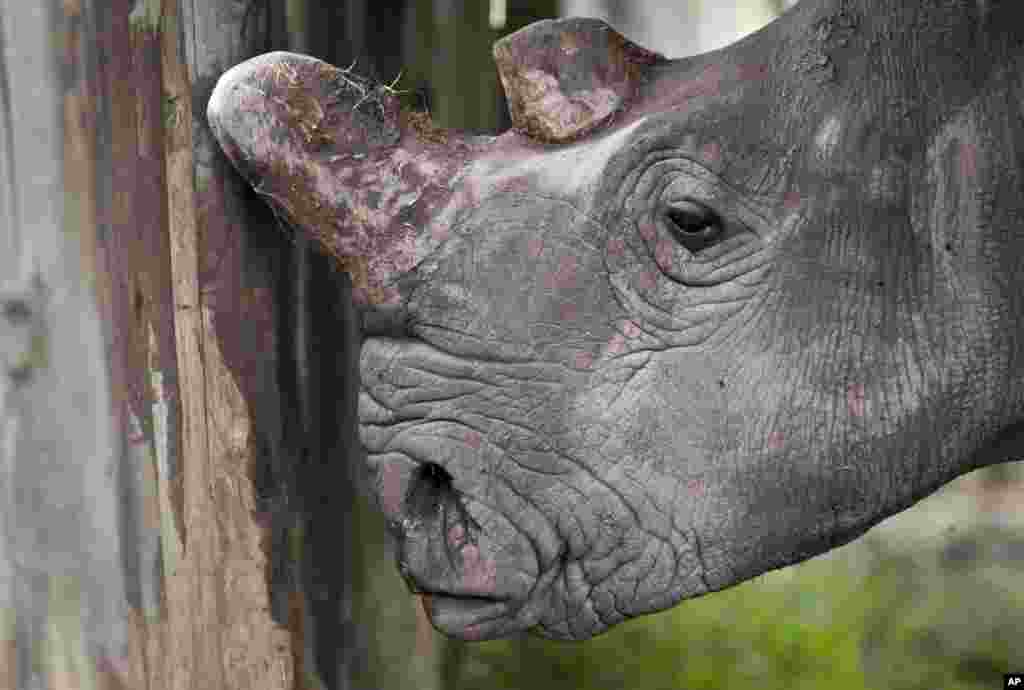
(147, 440)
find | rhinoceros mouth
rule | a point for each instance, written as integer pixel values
(480, 572)
(475, 612)
(470, 618)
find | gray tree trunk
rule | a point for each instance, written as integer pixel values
(140, 406)
(60, 567)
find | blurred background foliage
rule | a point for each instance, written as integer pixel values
(928, 599)
(873, 614)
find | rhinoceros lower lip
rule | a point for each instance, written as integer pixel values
(465, 617)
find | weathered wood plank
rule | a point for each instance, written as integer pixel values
(224, 322)
(151, 524)
(188, 584)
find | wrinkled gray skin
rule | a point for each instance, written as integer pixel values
(772, 300)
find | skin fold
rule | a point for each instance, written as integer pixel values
(689, 320)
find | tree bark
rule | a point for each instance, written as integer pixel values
(148, 443)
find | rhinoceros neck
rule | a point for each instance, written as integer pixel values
(955, 111)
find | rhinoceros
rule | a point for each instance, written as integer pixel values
(687, 320)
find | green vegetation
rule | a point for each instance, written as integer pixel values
(145, 16)
(171, 112)
(851, 620)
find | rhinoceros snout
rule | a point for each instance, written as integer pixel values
(445, 557)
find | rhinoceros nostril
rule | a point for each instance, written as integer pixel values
(432, 472)
(434, 506)
(431, 489)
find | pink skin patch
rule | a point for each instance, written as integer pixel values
(391, 296)
(663, 254)
(616, 246)
(456, 536)
(534, 247)
(479, 574)
(791, 201)
(356, 242)
(695, 487)
(392, 257)
(565, 276)
(473, 439)
(567, 312)
(359, 296)
(391, 489)
(775, 440)
(468, 194)
(752, 72)
(616, 344)
(519, 185)
(707, 84)
(646, 280)
(473, 632)
(404, 253)
(630, 329)
(439, 233)
(855, 399)
(968, 161)
(647, 230)
(711, 152)
(584, 360)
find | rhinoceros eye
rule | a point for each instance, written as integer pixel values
(694, 225)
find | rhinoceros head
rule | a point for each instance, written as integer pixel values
(689, 320)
